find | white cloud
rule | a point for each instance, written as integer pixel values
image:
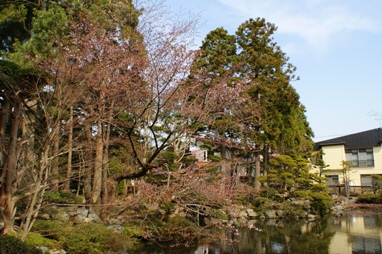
(317, 22)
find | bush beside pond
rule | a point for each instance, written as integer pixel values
(369, 198)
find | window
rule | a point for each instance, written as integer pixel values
(371, 181)
(332, 180)
(360, 157)
(366, 180)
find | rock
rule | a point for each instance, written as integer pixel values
(233, 214)
(61, 216)
(50, 251)
(84, 215)
(252, 214)
(243, 213)
(337, 210)
(82, 211)
(271, 214)
(311, 217)
(79, 218)
(44, 216)
(116, 228)
(241, 222)
(281, 213)
(95, 218)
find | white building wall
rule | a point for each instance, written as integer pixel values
(334, 155)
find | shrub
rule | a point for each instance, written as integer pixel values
(272, 194)
(302, 193)
(36, 239)
(259, 201)
(369, 198)
(218, 214)
(292, 211)
(319, 187)
(92, 238)
(50, 229)
(320, 203)
(10, 244)
(244, 195)
(82, 238)
(62, 197)
(177, 231)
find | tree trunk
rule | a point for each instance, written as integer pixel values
(37, 191)
(6, 195)
(66, 184)
(97, 175)
(105, 198)
(55, 150)
(265, 163)
(4, 113)
(257, 171)
(88, 165)
(106, 194)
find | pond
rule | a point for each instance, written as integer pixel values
(348, 234)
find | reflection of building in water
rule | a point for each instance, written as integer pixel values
(357, 234)
(205, 249)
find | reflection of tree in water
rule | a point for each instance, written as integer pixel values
(282, 237)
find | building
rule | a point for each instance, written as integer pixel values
(363, 150)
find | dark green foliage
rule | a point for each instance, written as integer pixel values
(319, 187)
(214, 158)
(271, 194)
(369, 198)
(320, 203)
(319, 207)
(218, 214)
(62, 197)
(301, 194)
(82, 238)
(293, 211)
(289, 171)
(276, 117)
(49, 228)
(169, 158)
(92, 238)
(12, 245)
(36, 239)
(260, 200)
(377, 182)
(177, 230)
(187, 161)
(15, 22)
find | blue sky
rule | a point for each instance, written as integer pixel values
(335, 45)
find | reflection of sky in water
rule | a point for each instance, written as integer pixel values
(277, 248)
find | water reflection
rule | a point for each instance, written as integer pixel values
(357, 234)
(345, 235)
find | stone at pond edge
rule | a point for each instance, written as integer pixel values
(252, 214)
(271, 214)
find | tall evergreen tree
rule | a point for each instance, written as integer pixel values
(274, 117)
